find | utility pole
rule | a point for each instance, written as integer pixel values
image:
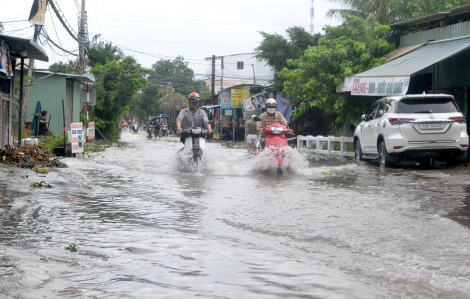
(82, 38)
(213, 80)
(254, 76)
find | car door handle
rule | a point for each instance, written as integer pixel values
(369, 125)
(378, 124)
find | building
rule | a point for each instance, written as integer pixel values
(236, 69)
(13, 49)
(50, 89)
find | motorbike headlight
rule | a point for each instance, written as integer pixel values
(277, 131)
(196, 131)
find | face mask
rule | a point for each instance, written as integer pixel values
(271, 110)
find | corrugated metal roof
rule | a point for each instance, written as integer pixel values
(433, 17)
(85, 78)
(419, 59)
(400, 52)
(18, 44)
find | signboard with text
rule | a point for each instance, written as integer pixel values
(237, 97)
(91, 131)
(37, 15)
(380, 86)
(225, 100)
(77, 137)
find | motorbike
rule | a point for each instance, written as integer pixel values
(276, 142)
(164, 130)
(135, 128)
(194, 144)
(148, 129)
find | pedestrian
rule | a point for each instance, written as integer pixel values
(43, 124)
(252, 137)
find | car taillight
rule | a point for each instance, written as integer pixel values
(397, 147)
(458, 118)
(464, 145)
(397, 121)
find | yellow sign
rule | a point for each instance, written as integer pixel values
(245, 92)
(38, 17)
(237, 97)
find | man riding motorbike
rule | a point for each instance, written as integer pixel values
(192, 116)
(271, 116)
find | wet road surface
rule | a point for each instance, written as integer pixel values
(148, 227)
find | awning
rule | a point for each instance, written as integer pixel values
(18, 45)
(393, 78)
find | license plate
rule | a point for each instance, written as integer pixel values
(431, 126)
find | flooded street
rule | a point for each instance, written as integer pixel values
(146, 227)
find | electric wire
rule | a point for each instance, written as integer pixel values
(61, 47)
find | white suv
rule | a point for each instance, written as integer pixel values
(412, 127)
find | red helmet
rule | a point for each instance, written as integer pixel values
(194, 95)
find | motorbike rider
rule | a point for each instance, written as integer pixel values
(192, 116)
(271, 116)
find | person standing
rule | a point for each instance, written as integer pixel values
(43, 124)
(252, 137)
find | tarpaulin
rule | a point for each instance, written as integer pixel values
(283, 106)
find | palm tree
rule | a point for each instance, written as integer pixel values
(380, 11)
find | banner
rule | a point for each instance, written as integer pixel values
(245, 92)
(77, 137)
(225, 100)
(37, 15)
(247, 115)
(5, 61)
(380, 86)
(90, 134)
(237, 97)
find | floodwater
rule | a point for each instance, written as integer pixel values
(147, 227)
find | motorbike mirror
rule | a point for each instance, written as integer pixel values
(363, 117)
(257, 118)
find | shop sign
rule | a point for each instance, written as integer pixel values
(38, 12)
(77, 137)
(226, 100)
(91, 131)
(380, 86)
(237, 97)
(247, 114)
(228, 112)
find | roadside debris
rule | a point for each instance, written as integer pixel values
(72, 248)
(29, 156)
(40, 185)
(327, 172)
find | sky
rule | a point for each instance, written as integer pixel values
(165, 29)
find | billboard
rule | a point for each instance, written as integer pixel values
(225, 100)
(90, 134)
(37, 15)
(380, 86)
(237, 97)
(77, 137)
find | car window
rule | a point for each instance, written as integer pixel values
(381, 110)
(372, 111)
(427, 105)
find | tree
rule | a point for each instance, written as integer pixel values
(391, 11)
(63, 67)
(351, 48)
(172, 102)
(101, 54)
(177, 75)
(117, 84)
(147, 102)
(277, 49)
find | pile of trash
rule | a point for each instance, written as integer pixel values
(29, 156)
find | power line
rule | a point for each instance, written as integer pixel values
(45, 35)
(53, 24)
(62, 19)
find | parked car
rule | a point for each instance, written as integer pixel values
(413, 128)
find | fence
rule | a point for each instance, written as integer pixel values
(305, 143)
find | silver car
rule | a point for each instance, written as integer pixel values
(412, 127)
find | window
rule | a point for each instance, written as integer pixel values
(372, 111)
(239, 65)
(427, 105)
(380, 111)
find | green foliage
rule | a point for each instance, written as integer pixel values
(117, 84)
(102, 54)
(92, 148)
(63, 67)
(52, 142)
(351, 48)
(277, 49)
(146, 103)
(172, 102)
(1, 28)
(176, 74)
(391, 11)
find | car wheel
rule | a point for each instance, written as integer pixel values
(385, 160)
(357, 150)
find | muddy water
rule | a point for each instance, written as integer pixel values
(147, 227)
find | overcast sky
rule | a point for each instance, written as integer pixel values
(166, 29)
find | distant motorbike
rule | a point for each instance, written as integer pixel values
(149, 130)
(164, 130)
(135, 128)
(276, 142)
(195, 144)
